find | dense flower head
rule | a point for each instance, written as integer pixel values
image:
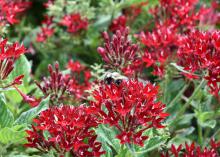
(79, 80)
(9, 53)
(193, 150)
(56, 86)
(160, 46)
(131, 107)
(65, 129)
(199, 52)
(74, 22)
(10, 9)
(47, 29)
(118, 52)
(180, 12)
(118, 24)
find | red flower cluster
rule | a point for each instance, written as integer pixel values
(160, 47)
(56, 86)
(78, 86)
(199, 52)
(9, 10)
(74, 23)
(130, 107)
(118, 24)
(119, 53)
(181, 13)
(194, 151)
(47, 29)
(128, 16)
(172, 18)
(65, 129)
(8, 55)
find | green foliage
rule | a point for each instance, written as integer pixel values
(27, 116)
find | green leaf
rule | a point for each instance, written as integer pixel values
(108, 137)
(156, 139)
(26, 117)
(6, 117)
(22, 67)
(16, 134)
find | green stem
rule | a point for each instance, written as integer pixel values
(165, 88)
(200, 133)
(187, 104)
(177, 97)
(131, 150)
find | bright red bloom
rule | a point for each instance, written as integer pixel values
(193, 151)
(199, 52)
(9, 10)
(47, 29)
(65, 129)
(8, 55)
(181, 13)
(131, 108)
(160, 47)
(74, 23)
(119, 53)
(118, 24)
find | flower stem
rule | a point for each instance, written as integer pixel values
(187, 104)
(177, 97)
(131, 150)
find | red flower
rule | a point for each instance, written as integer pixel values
(119, 53)
(9, 10)
(65, 129)
(131, 107)
(160, 47)
(199, 52)
(193, 151)
(8, 55)
(74, 23)
(47, 29)
(118, 24)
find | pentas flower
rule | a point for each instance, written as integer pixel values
(210, 16)
(65, 129)
(74, 23)
(47, 29)
(118, 24)
(79, 80)
(199, 52)
(119, 53)
(9, 10)
(56, 86)
(128, 16)
(9, 53)
(161, 45)
(180, 12)
(193, 150)
(131, 107)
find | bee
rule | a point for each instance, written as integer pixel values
(113, 77)
(116, 78)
